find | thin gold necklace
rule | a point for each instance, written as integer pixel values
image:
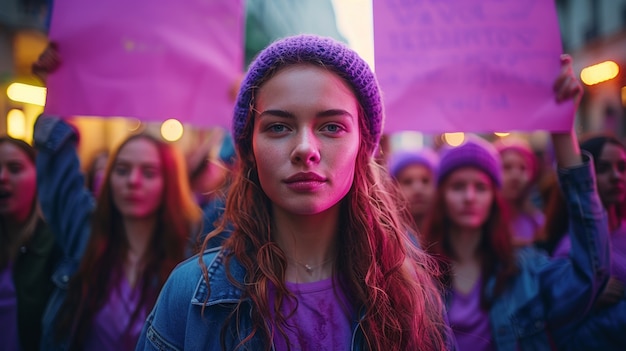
(309, 268)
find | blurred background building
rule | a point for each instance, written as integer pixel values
(593, 32)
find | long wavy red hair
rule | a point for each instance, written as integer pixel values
(178, 215)
(386, 277)
(495, 248)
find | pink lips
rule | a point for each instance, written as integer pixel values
(305, 181)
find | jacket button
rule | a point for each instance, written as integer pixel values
(65, 278)
(23, 249)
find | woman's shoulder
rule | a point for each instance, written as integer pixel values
(531, 258)
(190, 269)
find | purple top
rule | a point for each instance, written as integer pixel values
(525, 226)
(469, 322)
(618, 251)
(322, 320)
(112, 328)
(8, 311)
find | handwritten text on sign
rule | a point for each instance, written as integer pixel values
(469, 65)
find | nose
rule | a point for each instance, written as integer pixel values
(470, 193)
(306, 150)
(134, 176)
(4, 173)
(616, 172)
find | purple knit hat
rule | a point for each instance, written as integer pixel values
(403, 158)
(522, 147)
(474, 152)
(314, 49)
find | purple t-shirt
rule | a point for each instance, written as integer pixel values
(322, 320)
(618, 251)
(526, 225)
(112, 328)
(8, 311)
(469, 322)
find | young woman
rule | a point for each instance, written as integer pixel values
(520, 172)
(118, 252)
(27, 249)
(603, 329)
(416, 174)
(318, 259)
(500, 298)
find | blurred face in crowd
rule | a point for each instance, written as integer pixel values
(212, 174)
(516, 174)
(137, 179)
(306, 139)
(611, 174)
(18, 182)
(417, 184)
(468, 195)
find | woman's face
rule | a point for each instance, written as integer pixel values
(18, 182)
(306, 139)
(417, 184)
(137, 179)
(611, 175)
(468, 196)
(516, 174)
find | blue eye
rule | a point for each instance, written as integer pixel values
(277, 128)
(333, 128)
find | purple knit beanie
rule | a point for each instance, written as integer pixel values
(401, 159)
(522, 147)
(332, 54)
(474, 152)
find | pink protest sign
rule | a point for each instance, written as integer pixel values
(152, 60)
(469, 65)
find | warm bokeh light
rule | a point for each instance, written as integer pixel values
(624, 96)
(16, 124)
(502, 134)
(172, 130)
(26, 93)
(454, 139)
(599, 73)
(408, 140)
(134, 124)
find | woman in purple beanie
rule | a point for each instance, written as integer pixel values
(415, 172)
(319, 257)
(500, 297)
(520, 172)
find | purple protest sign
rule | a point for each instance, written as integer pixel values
(469, 65)
(151, 60)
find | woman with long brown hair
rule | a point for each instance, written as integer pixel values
(118, 251)
(319, 258)
(500, 297)
(27, 249)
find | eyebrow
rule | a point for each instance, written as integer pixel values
(125, 162)
(326, 113)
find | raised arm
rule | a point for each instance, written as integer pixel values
(65, 201)
(572, 285)
(567, 87)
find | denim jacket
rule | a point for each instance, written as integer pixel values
(547, 297)
(177, 322)
(67, 206)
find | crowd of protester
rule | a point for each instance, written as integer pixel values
(289, 233)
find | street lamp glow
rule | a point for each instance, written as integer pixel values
(454, 139)
(599, 73)
(16, 124)
(172, 130)
(27, 93)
